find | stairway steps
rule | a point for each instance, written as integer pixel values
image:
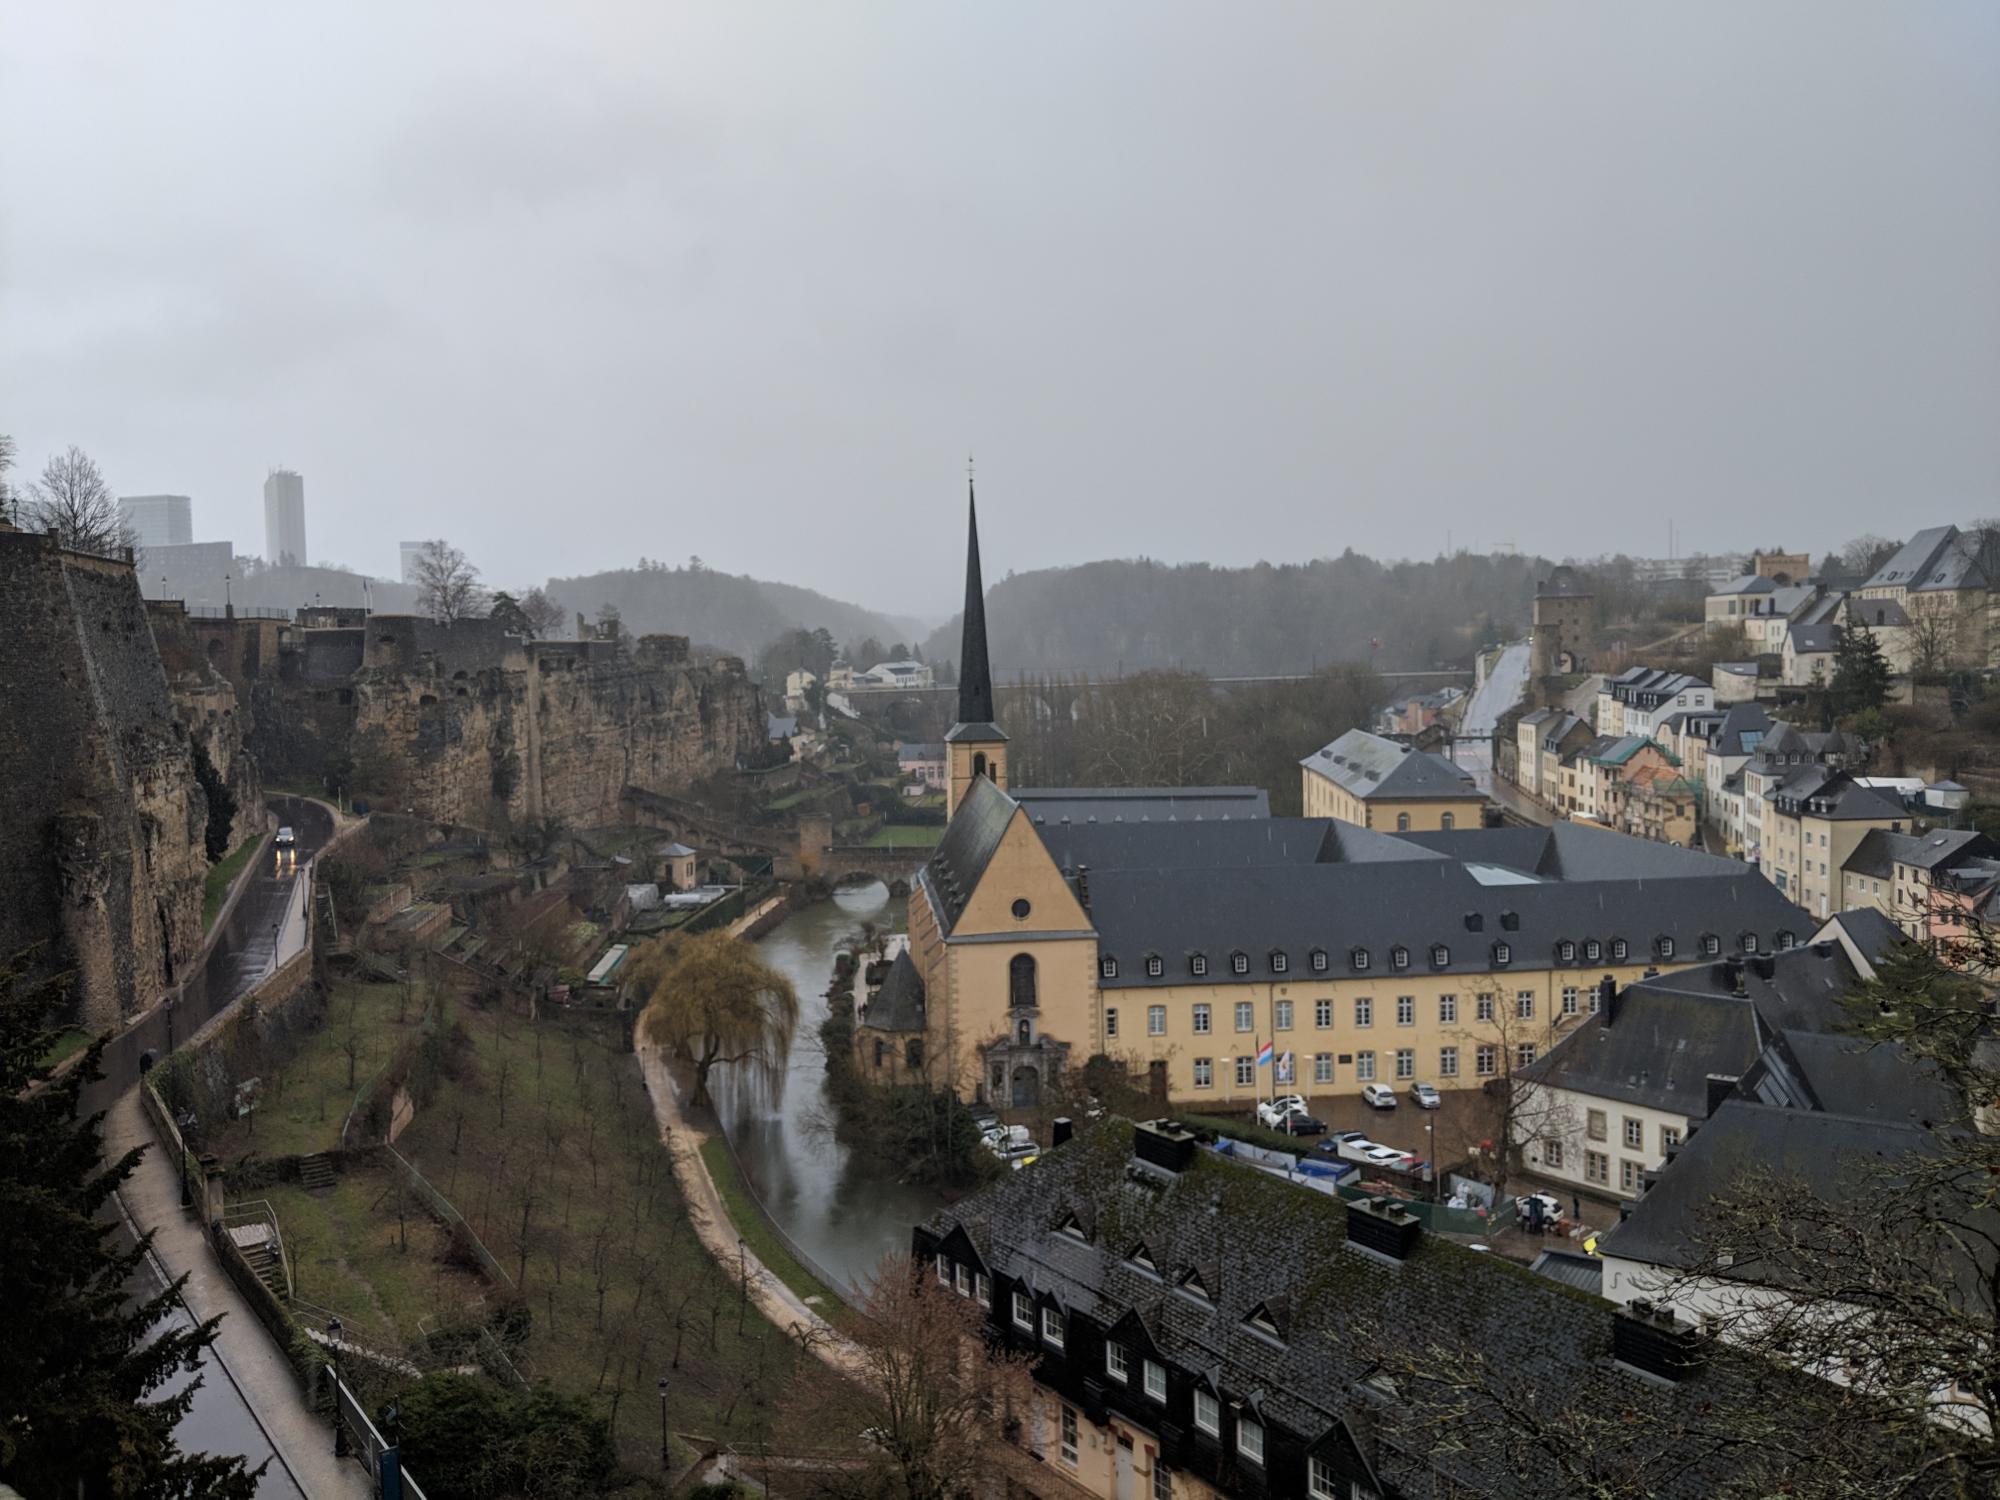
(316, 1174)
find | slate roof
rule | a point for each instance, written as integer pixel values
(899, 1004)
(1143, 804)
(1873, 612)
(1939, 557)
(953, 871)
(1584, 1272)
(1369, 766)
(1744, 728)
(1658, 1053)
(780, 727)
(1831, 1155)
(1575, 852)
(911, 754)
(1845, 1075)
(1749, 583)
(1879, 850)
(1418, 905)
(1808, 640)
(1224, 1222)
(1823, 792)
(1737, 668)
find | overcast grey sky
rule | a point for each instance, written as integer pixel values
(571, 284)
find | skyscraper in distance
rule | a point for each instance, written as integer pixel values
(285, 518)
(158, 520)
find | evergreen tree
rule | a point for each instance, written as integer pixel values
(82, 1361)
(1860, 672)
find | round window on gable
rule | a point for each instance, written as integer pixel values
(1021, 909)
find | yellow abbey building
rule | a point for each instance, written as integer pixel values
(1176, 930)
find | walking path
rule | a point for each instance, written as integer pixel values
(246, 1354)
(714, 1228)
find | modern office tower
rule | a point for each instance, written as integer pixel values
(158, 520)
(285, 518)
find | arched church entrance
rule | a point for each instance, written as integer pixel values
(1027, 1088)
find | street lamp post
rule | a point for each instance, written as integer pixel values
(666, 1461)
(339, 1422)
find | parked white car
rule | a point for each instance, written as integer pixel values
(1272, 1111)
(1378, 1096)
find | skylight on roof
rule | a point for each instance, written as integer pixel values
(1501, 875)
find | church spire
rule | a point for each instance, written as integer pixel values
(975, 674)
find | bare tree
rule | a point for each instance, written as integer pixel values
(1934, 637)
(938, 1403)
(542, 613)
(448, 586)
(72, 500)
(7, 453)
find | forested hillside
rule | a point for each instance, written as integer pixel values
(1104, 617)
(731, 611)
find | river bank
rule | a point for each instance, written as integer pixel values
(841, 1209)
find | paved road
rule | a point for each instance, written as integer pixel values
(1504, 686)
(241, 955)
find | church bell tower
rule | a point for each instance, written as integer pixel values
(976, 746)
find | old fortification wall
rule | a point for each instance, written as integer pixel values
(101, 817)
(468, 719)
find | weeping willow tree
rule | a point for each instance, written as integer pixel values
(710, 999)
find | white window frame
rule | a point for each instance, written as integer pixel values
(1156, 1020)
(962, 1276)
(1246, 1072)
(1153, 1375)
(1204, 1072)
(1447, 1062)
(1111, 1020)
(1052, 1328)
(1246, 1015)
(1203, 1018)
(1207, 1412)
(1282, 1015)
(1323, 1015)
(1024, 1311)
(1155, 966)
(1250, 1440)
(1364, 1010)
(982, 1289)
(1069, 1436)
(943, 1269)
(1239, 963)
(1524, 1005)
(1447, 1010)
(1406, 1063)
(1406, 1010)
(1198, 964)
(1482, 1006)
(1322, 1067)
(1116, 1364)
(1486, 1060)
(1321, 1481)
(1364, 1067)
(1572, 999)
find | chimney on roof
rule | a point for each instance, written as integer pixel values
(1474, 922)
(1732, 975)
(1607, 999)
(1720, 1087)
(1163, 1144)
(1384, 1226)
(1651, 1339)
(1060, 1131)
(1765, 965)
(1083, 886)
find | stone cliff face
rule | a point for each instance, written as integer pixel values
(462, 721)
(101, 812)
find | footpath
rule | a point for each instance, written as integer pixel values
(243, 1351)
(714, 1228)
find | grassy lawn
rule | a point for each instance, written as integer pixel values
(65, 1046)
(305, 1096)
(544, 1139)
(757, 1234)
(906, 836)
(215, 887)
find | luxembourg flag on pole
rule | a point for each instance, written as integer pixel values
(1263, 1053)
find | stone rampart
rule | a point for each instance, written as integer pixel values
(101, 816)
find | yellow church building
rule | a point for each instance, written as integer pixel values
(1178, 930)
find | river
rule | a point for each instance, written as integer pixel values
(844, 1212)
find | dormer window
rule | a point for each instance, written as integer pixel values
(1786, 940)
(1665, 946)
(1239, 963)
(1440, 956)
(1142, 1257)
(1319, 960)
(1592, 950)
(1154, 967)
(1279, 962)
(1502, 954)
(1566, 952)
(1748, 942)
(1358, 957)
(1399, 957)
(1107, 966)
(1618, 950)
(1072, 1226)
(1192, 1282)
(1198, 964)
(1260, 1319)
(1711, 945)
